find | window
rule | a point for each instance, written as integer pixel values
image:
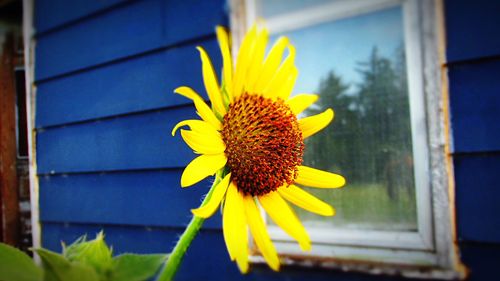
(22, 125)
(370, 62)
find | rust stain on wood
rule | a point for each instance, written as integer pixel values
(8, 175)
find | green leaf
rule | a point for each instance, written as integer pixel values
(80, 239)
(132, 267)
(57, 268)
(94, 253)
(17, 266)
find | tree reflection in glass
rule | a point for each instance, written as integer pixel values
(362, 76)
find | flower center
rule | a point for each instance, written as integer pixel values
(264, 144)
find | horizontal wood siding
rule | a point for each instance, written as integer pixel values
(142, 83)
(46, 18)
(206, 259)
(139, 141)
(473, 55)
(105, 74)
(475, 99)
(472, 29)
(149, 197)
(478, 197)
(128, 30)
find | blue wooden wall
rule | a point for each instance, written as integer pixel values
(473, 55)
(105, 71)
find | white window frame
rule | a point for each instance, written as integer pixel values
(430, 251)
(29, 65)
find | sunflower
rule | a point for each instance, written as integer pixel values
(252, 141)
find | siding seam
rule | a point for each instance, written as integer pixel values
(115, 116)
(66, 24)
(182, 43)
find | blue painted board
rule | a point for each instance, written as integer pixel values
(206, 259)
(152, 198)
(127, 30)
(152, 240)
(141, 83)
(482, 260)
(141, 141)
(472, 29)
(475, 106)
(478, 197)
(54, 13)
(207, 256)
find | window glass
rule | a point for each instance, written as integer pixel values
(22, 125)
(357, 66)
(268, 8)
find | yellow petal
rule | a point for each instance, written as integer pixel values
(204, 143)
(300, 102)
(313, 124)
(271, 64)
(229, 220)
(317, 178)
(243, 60)
(213, 202)
(255, 66)
(202, 167)
(284, 217)
(227, 68)
(259, 233)
(286, 89)
(306, 200)
(211, 84)
(198, 126)
(234, 228)
(202, 108)
(283, 73)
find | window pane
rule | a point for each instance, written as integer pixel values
(22, 125)
(268, 8)
(357, 65)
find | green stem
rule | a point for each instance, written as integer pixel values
(175, 258)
